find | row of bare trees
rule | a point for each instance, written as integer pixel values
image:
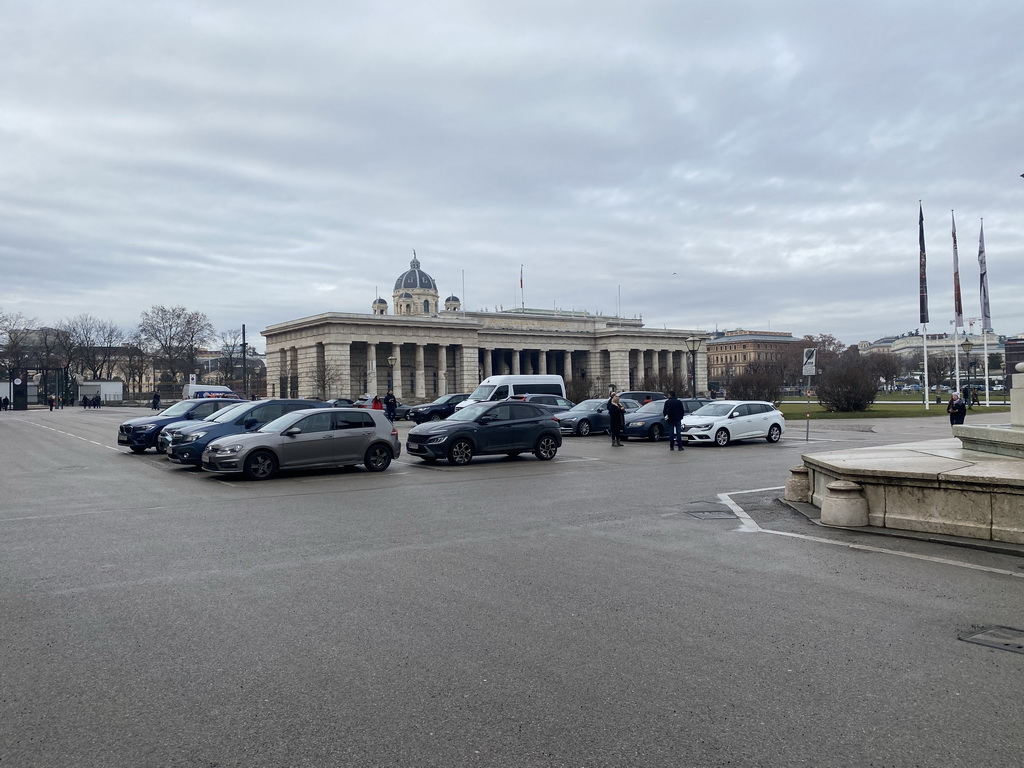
(165, 345)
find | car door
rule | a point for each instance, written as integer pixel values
(314, 444)
(527, 421)
(743, 424)
(496, 430)
(354, 432)
(760, 419)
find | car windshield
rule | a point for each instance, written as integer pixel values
(216, 414)
(655, 406)
(482, 392)
(470, 412)
(588, 405)
(178, 408)
(281, 423)
(714, 409)
(442, 400)
(225, 415)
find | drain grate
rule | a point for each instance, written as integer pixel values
(715, 515)
(1003, 638)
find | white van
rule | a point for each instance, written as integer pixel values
(205, 390)
(504, 387)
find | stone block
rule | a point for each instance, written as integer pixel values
(844, 505)
(938, 510)
(1008, 518)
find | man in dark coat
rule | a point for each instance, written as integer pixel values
(390, 405)
(674, 411)
(616, 419)
(957, 409)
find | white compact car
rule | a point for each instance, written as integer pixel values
(723, 421)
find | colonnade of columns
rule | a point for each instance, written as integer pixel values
(335, 369)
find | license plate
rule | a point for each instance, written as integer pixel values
(122, 439)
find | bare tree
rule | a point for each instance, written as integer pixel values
(176, 334)
(16, 339)
(325, 378)
(231, 353)
(135, 362)
(885, 366)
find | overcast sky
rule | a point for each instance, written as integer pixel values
(717, 165)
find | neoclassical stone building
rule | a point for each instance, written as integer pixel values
(424, 350)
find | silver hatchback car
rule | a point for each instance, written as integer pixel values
(308, 439)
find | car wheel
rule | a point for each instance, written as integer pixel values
(722, 437)
(260, 465)
(655, 432)
(159, 449)
(137, 449)
(583, 428)
(461, 453)
(546, 448)
(435, 417)
(377, 458)
(774, 433)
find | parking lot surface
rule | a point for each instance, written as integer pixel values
(613, 607)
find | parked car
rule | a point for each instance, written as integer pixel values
(590, 416)
(441, 408)
(649, 420)
(487, 428)
(642, 396)
(141, 433)
(724, 421)
(340, 402)
(310, 438)
(553, 403)
(171, 431)
(188, 443)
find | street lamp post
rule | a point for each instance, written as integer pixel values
(967, 346)
(693, 345)
(391, 371)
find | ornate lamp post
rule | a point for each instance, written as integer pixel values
(391, 371)
(693, 345)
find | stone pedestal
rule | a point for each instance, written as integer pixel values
(844, 505)
(798, 486)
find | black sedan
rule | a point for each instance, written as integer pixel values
(649, 421)
(590, 416)
(441, 408)
(487, 428)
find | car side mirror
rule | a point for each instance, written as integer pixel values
(601, 409)
(733, 415)
(250, 423)
(292, 432)
(189, 415)
(486, 419)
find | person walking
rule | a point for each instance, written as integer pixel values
(957, 409)
(5, 403)
(376, 404)
(390, 405)
(616, 419)
(51, 402)
(674, 411)
(156, 401)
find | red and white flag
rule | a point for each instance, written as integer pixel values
(986, 310)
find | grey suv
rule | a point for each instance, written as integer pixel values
(307, 439)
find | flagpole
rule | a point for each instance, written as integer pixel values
(956, 354)
(922, 267)
(927, 389)
(986, 320)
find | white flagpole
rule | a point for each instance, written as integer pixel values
(956, 355)
(984, 337)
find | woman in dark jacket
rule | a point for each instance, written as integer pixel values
(616, 419)
(957, 409)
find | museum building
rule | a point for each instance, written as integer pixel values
(423, 349)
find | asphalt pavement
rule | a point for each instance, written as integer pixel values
(614, 607)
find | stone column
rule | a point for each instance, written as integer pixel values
(396, 351)
(618, 368)
(442, 370)
(542, 361)
(371, 369)
(293, 372)
(420, 382)
(568, 365)
(515, 361)
(487, 362)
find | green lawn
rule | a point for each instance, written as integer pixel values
(912, 407)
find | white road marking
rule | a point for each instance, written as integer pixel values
(749, 526)
(68, 434)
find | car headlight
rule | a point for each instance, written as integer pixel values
(145, 427)
(436, 440)
(567, 421)
(636, 423)
(191, 438)
(225, 450)
(704, 426)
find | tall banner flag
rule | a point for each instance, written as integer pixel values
(958, 304)
(986, 310)
(923, 264)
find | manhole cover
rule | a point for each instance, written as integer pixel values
(714, 515)
(1003, 638)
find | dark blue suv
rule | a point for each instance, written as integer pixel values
(141, 433)
(187, 443)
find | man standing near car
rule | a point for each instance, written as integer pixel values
(390, 405)
(674, 411)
